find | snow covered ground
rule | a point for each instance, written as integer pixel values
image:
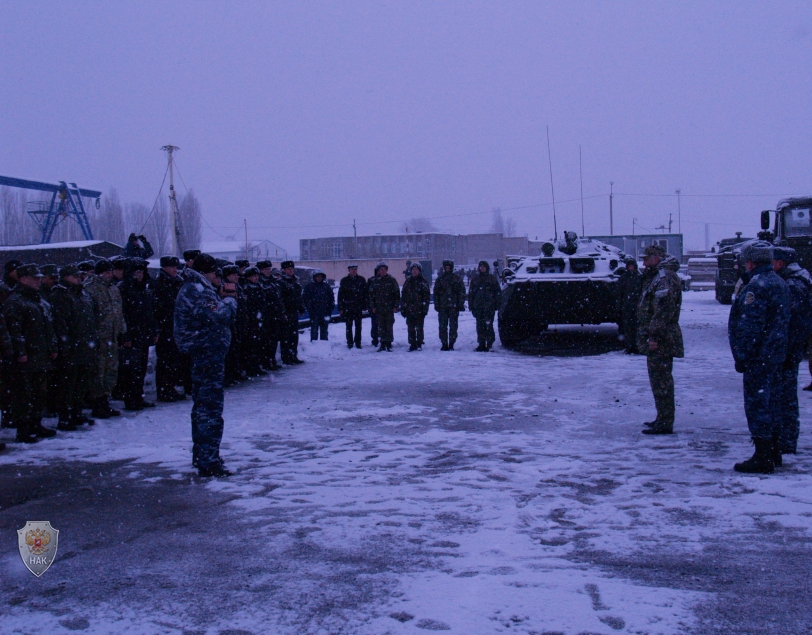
(377, 493)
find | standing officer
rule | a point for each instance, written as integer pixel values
(799, 286)
(234, 367)
(203, 318)
(658, 332)
(629, 288)
(255, 307)
(109, 319)
(136, 249)
(384, 302)
(352, 300)
(50, 278)
(415, 299)
(319, 300)
(32, 335)
(273, 315)
(136, 300)
(10, 279)
(373, 319)
(484, 294)
(757, 329)
(168, 368)
(449, 300)
(75, 328)
(292, 299)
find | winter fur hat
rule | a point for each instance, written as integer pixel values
(251, 271)
(230, 270)
(787, 254)
(204, 263)
(484, 263)
(654, 250)
(264, 264)
(170, 261)
(12, 265)
(381, 264)
(288, 264)
(448, 263)
(416, 265)
(49, 270)
(191, 254)
(758, 251)
(103, 265)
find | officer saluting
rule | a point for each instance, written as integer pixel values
(757, 330)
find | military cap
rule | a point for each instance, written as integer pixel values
(103, 265)
(242, 263)
(191, 254)
(787, 254)
(264, 264)
(288, 264)
(49, 270)
(69, 270)
(757, 251)
(86, 265)
(222, 262)
(204, 263)
(28, 271)
(654, 250)
(352, 265)
(13, 265)
(251, 271)
(230, 270)
(170, 261)
(448, 263)
(119, 262)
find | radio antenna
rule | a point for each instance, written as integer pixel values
(581, 170)
(552, 189)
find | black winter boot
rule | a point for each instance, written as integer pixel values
(778, 461)
(762, 460)
(66, 424)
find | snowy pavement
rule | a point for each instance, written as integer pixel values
(394, 493)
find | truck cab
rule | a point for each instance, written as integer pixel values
(791, 227)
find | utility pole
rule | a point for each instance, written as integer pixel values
(355, 238)
(245, 225)
(173, 201)
(679, 212)
(581, 172)
(669, 222)
(611, 220)
(634, 222)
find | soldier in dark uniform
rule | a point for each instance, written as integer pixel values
(384, 302)
(629, 286)
(234, 357)
(168, 367)
(270, 336)
(292, 299)
(86, 268)
(415, 299)
(138, 247)
(243, 265)
(319, 301)
(77, 341)
(253, 333)
(6, 287)
(189, 256)
(449, 301)
(352, 300)
(373, 319)
(10, 278)
(6, 357)
(136, 301)
(32, 336)
(658, 332)
(203, 318)
(484, 294)
(50, 278)
(757, 329)
(799, 286)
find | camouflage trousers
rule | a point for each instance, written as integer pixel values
(208, 377)
(386, 324)
(105, 370)
(414, 325)
(786, 407)
(484, 330)
(661, 378)
(448, 321)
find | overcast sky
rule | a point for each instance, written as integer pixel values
(300, 116)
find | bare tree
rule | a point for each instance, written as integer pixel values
(108, 222)
(190, 221)
(160, 228)
(418, 225)
(502, 225)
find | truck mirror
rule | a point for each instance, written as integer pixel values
(765, 219)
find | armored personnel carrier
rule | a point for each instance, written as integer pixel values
(573, 281)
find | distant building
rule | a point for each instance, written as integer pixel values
(463, 249)
(234, 250)
(634, 245)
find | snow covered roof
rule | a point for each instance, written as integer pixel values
(76, 244)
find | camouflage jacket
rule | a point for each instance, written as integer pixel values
(484, 294)
(74, 324)
(107, 308)
(659, 309)
(202, 318)
(415, 297)
(384, 294)
(449, 292)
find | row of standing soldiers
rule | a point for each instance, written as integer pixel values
(383, 297)
(78, 336)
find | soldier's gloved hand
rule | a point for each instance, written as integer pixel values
(740, 367)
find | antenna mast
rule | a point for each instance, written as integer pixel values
(552, 189)
(173, 201)
(581, 170)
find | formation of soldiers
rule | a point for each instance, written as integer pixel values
(76, 337)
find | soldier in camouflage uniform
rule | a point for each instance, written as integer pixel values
(203, 318)
(758, 330)
(449, 301)
(384, 302)
(110, 325)
(415, 300)
(658, 333)
(484, 294)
